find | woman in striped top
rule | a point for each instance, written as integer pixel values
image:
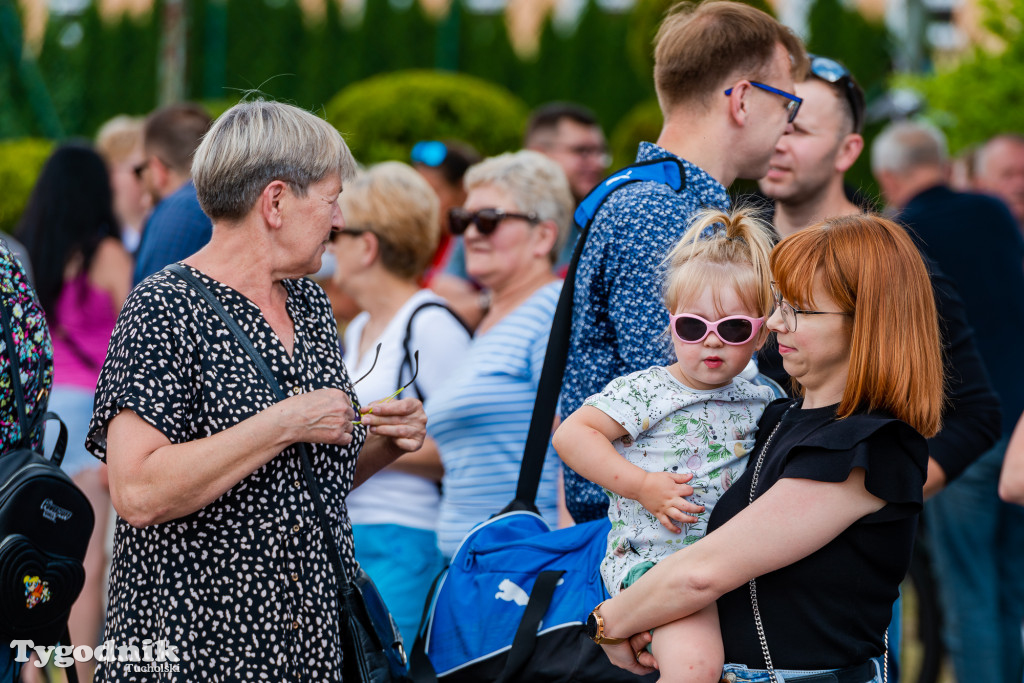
(514, 223)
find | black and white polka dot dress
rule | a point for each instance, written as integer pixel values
(243, 588)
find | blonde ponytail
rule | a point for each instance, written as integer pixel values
(722, 248)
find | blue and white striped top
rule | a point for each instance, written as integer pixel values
(480, 418)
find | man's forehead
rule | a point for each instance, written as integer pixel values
(568, 128)
(820, 99)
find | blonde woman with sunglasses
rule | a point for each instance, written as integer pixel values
(406, 336)
(666, 442)
(513, 223)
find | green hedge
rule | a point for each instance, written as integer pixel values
(20, 163)
(384, 116)
(642, 124)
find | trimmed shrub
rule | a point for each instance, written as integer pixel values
(384, 116)
(642, 123)
(20, 164)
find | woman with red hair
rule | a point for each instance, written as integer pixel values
(805, 552)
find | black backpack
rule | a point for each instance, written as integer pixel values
(45, 525)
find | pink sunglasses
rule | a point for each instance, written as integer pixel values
(733, 330)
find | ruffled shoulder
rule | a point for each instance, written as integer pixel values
(893, 455)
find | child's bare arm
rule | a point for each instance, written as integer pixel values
(584, 442)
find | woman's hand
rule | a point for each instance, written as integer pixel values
(624, 656)
(321, 416)
(664, 495)
(402, 421)
(639, 644)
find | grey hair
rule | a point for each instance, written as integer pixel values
(981, 157)
(907, 144)
(534, 182)
(254, 143)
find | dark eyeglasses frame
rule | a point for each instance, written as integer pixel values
(792, 107)
(140, 168)
(788, 312)
(352, 232)
(486, 220)
(834, 73)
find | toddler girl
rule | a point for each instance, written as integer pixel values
(650, 433)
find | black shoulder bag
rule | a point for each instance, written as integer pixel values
(45, 525)
(371, 643)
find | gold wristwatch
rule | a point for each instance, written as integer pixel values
(595, 629)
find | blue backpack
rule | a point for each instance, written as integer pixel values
(512, 604)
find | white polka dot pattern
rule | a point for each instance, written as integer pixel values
(243, 587)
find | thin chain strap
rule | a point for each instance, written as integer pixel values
(885, 659)
(753, 584)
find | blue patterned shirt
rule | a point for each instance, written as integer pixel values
(176, 229)
(619, 318)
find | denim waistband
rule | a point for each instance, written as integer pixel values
(867, 672)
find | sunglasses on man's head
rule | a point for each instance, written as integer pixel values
(486, 220)
(834, 73)
(733, 330)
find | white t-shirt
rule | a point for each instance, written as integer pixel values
(673, 428)
(391, 497)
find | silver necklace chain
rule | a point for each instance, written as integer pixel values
(753, 584)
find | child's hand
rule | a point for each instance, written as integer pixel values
(664, 495)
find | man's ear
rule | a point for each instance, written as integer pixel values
(270, 203)
(849, 151)
(159, 171)
(738, 111)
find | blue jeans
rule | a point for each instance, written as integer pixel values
(977, 547)
(403, 562)
(741, 674)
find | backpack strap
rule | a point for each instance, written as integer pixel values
(667, 170)
(406, 340)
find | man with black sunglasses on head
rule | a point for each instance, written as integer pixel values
(806, 181)
(724, 74)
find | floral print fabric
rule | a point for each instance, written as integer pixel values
(33, 352)
(673, 428)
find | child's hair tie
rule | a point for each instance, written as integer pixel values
(715, 231)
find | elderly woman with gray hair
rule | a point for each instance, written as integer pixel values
(392, 230)
(219, 554)
(513, 223)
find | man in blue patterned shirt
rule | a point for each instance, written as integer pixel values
(177, 228)
(724, 74)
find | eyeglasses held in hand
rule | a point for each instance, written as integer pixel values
(376, 355)
(486, 220)
(733, 330)
(789, 313)
(792, 106)
(396, 392)
(834, 73)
